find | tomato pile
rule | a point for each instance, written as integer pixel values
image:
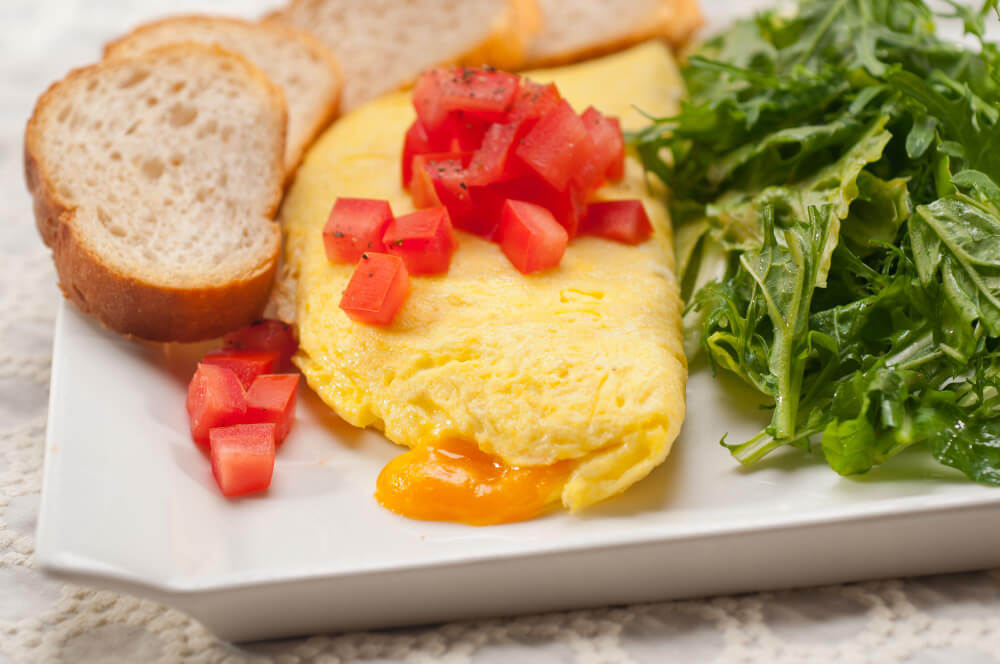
(241, 407)
(492, 154)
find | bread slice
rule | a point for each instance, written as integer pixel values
(579, 29)
(306, 71)
(383, 44)
(155, 181)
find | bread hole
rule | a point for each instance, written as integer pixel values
(152, 101)
(65, 191)
(223, 179)
(92, 85)
(63, 114)
(116, 156)
(97, 125)
(226, 134)
(181, 115)
(152, 168)
(177, 87)
(202, 194)
(135, 78)
(208, 129)
(133, 127)
(176, 159)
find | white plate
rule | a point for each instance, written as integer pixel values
(129, 502)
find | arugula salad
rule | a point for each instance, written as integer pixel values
(835, 190)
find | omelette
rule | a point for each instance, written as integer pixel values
(513, 392)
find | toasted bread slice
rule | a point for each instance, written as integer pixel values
(580, 29)
(383, 44)
(305, 70)
(156, 180)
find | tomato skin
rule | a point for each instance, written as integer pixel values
(266, 334)
(458, 132)
(424, 240)
(530, 237)
(416, 142)
(242, 458)
(622, 221)
(481, 93)
(377, 289)
(246, 364)
(355, 226)
(215, 398)
(609, 144)
(556, 146)
(271, 399)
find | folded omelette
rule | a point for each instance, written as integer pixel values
(568, 385)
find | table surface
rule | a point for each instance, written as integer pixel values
(953, 618)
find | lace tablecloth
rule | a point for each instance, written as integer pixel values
(942, 619)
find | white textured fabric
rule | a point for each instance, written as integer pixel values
(944, 619)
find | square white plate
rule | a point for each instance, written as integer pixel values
(129, 502)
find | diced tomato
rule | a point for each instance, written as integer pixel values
(423, 239)
(416, 142)
(440, 179)
(621, 221)
(246, 364)
(428, 98)
(271, 398)
(568, 207)
(494, 161)
(531, 237)
(533, 100)
(215, 398)
(609, 144)
(481, 92)
(458, 133)
(265, 335)
(377, 289)
(354, 227)
(556, 146)
(242, 458)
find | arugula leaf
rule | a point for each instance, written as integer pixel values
(834, 181)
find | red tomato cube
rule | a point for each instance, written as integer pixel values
(354, 227)
(242, 458)
(428, 98)
(377, 289)
(440, 179)
(459, 132)
(495, 161)
(609, 144)
(215, 398)
(568, 207)
(531, 237)
(416, 142)
(621, 221)
(265, 335)
(481, 92)
(556, 146)
(423, 239)
(246, 364)
(533, 100)
(271, 398)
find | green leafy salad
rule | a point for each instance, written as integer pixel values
(835, 190)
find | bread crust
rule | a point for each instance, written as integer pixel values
(320, 120)
(676, 23)
(126, 303)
